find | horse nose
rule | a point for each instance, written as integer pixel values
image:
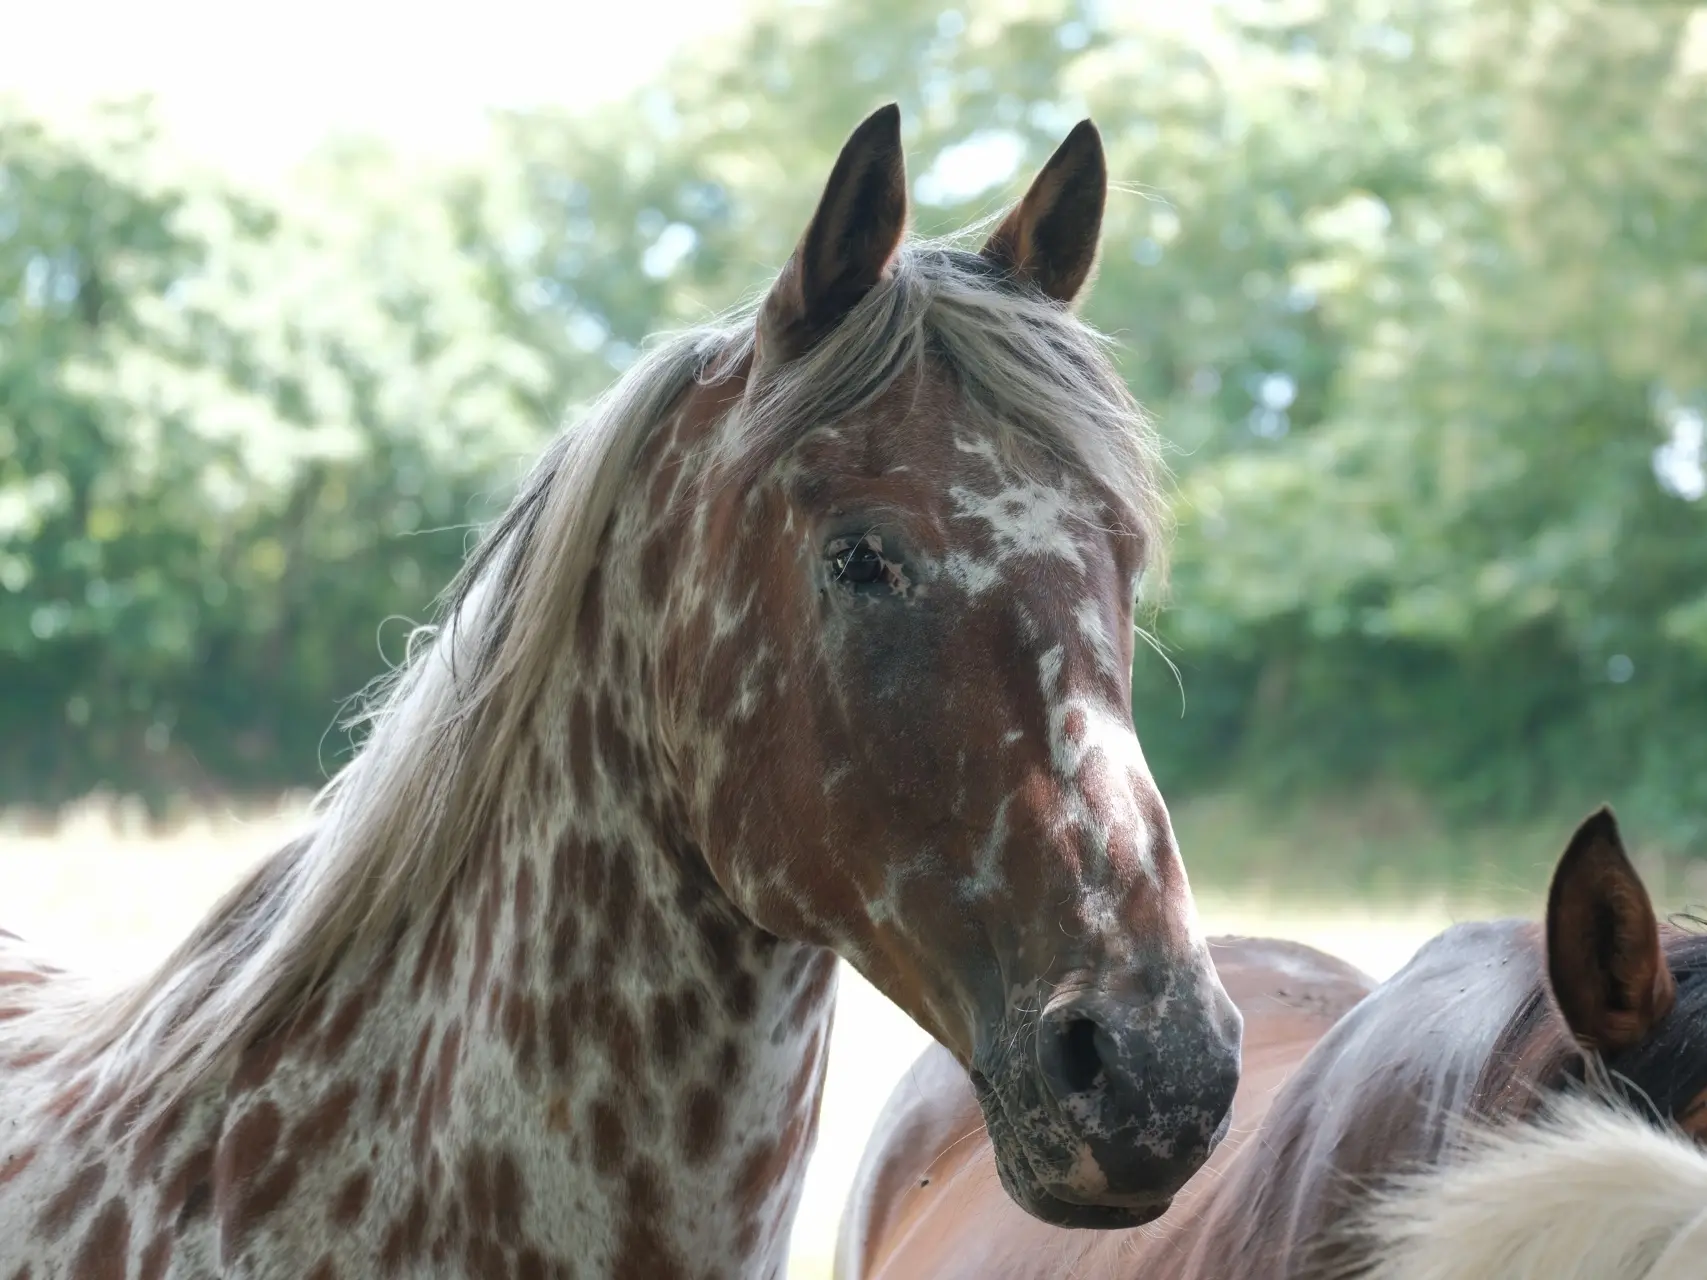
(1073, 1050)
(1148, 1086)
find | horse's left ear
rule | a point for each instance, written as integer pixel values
(1050, 239)
(1604, 959)
(849, 243)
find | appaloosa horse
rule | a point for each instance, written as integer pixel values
(812, 639)
(1345, 1084)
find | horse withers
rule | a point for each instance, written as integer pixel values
(811, 639)
(1347, 1087)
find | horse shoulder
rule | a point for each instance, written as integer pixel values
(919, 1140)
(927, 1200)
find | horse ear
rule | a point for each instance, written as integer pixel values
(1050, 239)
(849, 243)
(1604, 959)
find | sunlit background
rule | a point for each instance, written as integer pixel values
(1416, 289)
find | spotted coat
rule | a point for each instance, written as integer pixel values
(857, 689)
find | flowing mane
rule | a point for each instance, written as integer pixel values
(394, 828)
(1582, 1175)
(1588, 1189)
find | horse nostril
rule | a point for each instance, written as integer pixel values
(1081, 1064)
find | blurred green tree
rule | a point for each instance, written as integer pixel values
(233, 438)
(1415, 289)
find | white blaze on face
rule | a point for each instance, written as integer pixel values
(988, 877)
(1083, 730)
(1090, 622)
(1026, 519)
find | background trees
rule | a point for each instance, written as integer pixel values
(1418, 292)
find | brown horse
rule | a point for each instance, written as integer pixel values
(1345, 1084)
(812, 639)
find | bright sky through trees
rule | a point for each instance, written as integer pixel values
(255, 88)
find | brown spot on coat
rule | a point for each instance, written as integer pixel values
(351, 1199)
(155, 1258)
(702, 1124)
(642, 1252)
(322, 1126)
(406, 1238)
(70, 1097)
(386, 1094)
(478, 1192)
(581, 748)
(106, 1249)
(609, 1138)
(256, 1064)
(188, 1192)
(667, 1038)
(342, 1028)
(522, 897)
(559, 1033)
(16, 1163)
(249, 1144)
(73, 1198)
(509, 1194)
(152, 1145)
(444, 1076)
(249, 1184)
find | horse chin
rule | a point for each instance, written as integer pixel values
(1032, 1194)
(1057, 1212)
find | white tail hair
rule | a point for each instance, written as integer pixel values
(1588, 1191)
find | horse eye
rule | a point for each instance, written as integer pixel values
(860, 565)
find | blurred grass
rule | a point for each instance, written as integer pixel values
(1367, 879)
(1384, 848)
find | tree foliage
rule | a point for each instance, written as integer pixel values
(1417, 290)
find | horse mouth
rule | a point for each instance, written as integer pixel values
(1056, 1206)
(1060, 1212)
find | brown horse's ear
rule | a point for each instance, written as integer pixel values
(1050, 239)
(849, 243)
(1604, 959)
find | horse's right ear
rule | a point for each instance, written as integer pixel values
(848, 245)
(1604, 959)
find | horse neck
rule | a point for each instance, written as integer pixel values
(641, 1047)
(583, 1017)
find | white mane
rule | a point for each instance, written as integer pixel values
(1587, 1192)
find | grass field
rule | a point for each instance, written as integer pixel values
(108, 896)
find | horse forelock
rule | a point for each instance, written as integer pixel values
(1026, 370)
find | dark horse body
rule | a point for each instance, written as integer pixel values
(1345, 1083)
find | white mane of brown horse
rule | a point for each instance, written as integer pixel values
(1592, 1190)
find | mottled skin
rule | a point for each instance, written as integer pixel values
(1345, 1084)
(864, 696)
